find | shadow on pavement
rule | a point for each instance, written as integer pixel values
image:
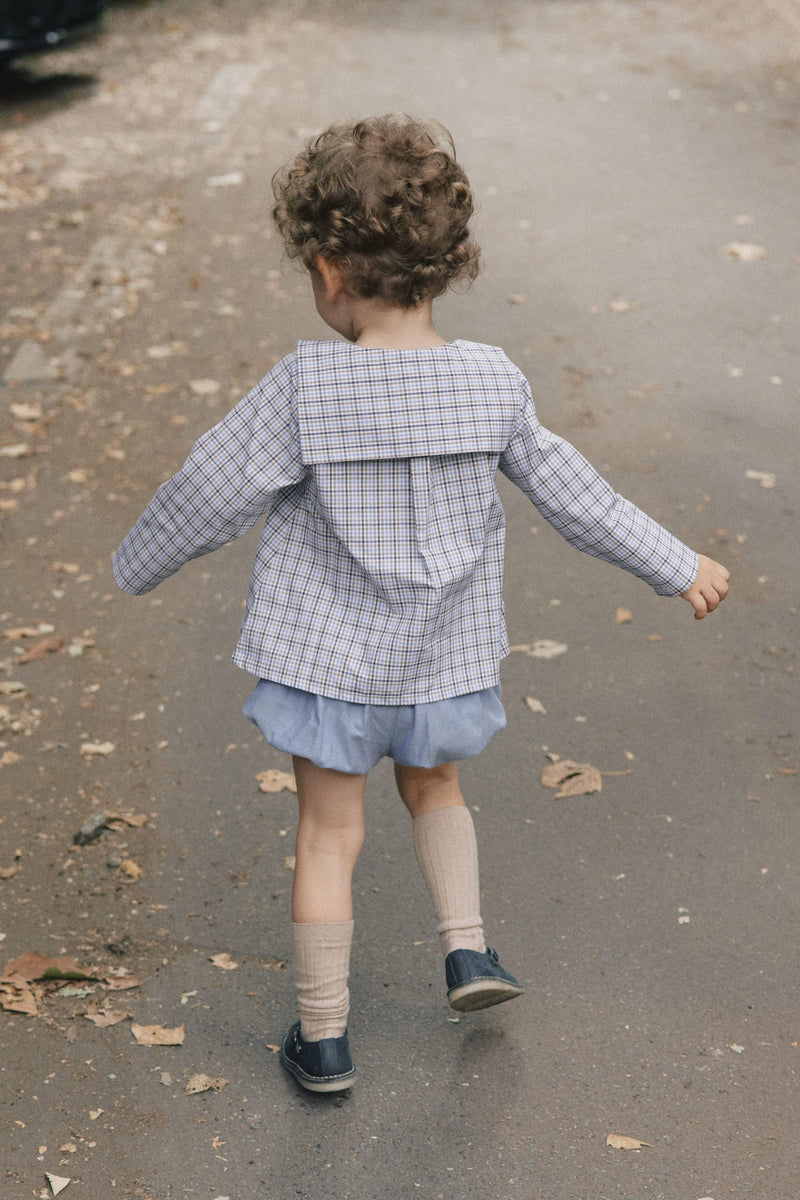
(21, 87)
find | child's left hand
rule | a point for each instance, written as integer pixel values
(709, 588)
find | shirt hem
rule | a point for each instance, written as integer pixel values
(379, 696)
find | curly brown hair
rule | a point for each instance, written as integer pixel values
(385, 199)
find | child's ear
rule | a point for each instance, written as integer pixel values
(331, 275)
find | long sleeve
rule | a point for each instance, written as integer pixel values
(227, 483)
(570, 494)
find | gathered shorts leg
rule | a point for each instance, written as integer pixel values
(342, 736)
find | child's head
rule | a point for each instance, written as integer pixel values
(386, 200)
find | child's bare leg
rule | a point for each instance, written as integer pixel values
(330, 834)
(446, 850)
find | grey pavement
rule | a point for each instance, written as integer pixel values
(637, 170)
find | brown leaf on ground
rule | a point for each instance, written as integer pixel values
(745, 251)
(541, 648)
(23, 983)
(90, 749)
(104, 1017)
(134, 820)
(11, 687)
(120, 983)
(224, 961)
(276, 781)
(8, 872)
(19, 998)
(40, 649)
(57, 1182)
(572, 778)
(203, 1083)
(158, 1035)
(623, 616)
(31, 966)
(618, 1141)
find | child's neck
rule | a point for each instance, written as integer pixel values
(381, 326)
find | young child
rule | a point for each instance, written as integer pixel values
(374, 619)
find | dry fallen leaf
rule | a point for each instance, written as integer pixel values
(19, 998)
(57, 1182)
(765, 478)
(573, 779)
(30, 966)
(618, 1141)
(623, 616)
(45, 646)
(224, 961)
(535, 705)
(158, 1035)
(11, 687)
(104, 1017)
(135, 820)
(24, 631)
(205, 387)
(98, 748)
(203, 1083)
(26, 412)
(276, 781)
(120, 983)
(8, 872)
(746, 251)
(542, 648)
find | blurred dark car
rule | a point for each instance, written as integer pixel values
(27, 26)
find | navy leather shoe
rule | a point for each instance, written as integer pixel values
(324, 1066)
(476, 980)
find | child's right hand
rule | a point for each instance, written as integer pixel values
(709, 588)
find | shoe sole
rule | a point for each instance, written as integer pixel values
(482, 993)
(339, 1083)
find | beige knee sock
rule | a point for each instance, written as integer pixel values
(447, 852)
(322, 966)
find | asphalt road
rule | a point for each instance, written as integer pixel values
(636, 167)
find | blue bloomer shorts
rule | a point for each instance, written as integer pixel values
(343, 736)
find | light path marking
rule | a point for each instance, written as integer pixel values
(103, 289)
(225, 92)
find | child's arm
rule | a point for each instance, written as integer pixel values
(709, 588)
(222, 489)
(576, 500)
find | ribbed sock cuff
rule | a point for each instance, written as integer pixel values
(322, 967)
(447, 853)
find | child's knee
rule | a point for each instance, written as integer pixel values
(423, 789)
(343, 841)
